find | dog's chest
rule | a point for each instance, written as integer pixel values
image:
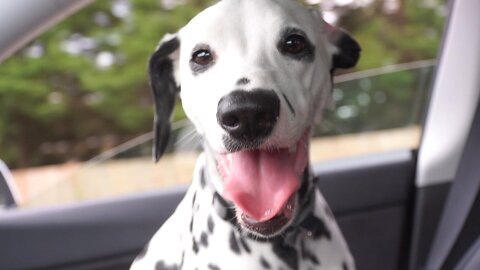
(201, 235)
(212, 241)
(217, 244)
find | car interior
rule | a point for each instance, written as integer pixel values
(406, 209)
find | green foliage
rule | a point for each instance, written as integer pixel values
(53, 103)
(410, 33)
(378, 102)
(57, 103)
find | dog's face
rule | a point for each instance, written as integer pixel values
(253, 76)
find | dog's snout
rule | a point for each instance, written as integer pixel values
(248, 115)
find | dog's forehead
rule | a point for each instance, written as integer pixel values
(235, 19)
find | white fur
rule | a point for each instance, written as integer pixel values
(174, 238)
(246, 46)
(243, 35)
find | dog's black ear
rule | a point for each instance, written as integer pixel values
(348, 49)
(165, 88)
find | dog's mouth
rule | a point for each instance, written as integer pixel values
(262, 184)
(273, 225)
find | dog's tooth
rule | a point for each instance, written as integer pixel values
(289, 206)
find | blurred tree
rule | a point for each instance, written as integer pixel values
(390, 32)
(393, 32)
(82, 86)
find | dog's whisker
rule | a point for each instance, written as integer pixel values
(183, 139)
(190, 136)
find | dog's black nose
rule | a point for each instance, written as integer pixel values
(248, 115)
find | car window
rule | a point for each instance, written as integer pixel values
(377, 110)
(9, 195)
(76, 111)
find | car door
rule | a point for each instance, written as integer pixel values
(387, 204)
(442, 157)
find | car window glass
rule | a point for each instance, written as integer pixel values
(76, 110)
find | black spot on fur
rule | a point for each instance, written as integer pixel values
(191, 224)
(210, 224)
(243, 81)
(204, 239)
(202, 179)
(289, 104)
(344, 266)
(317, 227)
(286, 253)
(195, 246)
(223, 208)
(212, 266)
(194, 199)
(160, 265)
(233, 243)
(264, 263)
(244, 244)
(307, 255)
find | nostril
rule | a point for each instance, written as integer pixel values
(230, 121)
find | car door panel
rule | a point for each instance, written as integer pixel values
(93, 232)
(369, 196)
(429, 202)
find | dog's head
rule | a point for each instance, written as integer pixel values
(253, 76)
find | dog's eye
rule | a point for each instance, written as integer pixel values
(202, 57)
(294, 44)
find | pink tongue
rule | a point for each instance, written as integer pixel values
(260, 182)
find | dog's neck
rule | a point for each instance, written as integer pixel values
(211, 168)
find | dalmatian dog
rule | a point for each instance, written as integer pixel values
(254, 76)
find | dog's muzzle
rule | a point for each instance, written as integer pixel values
(248, 116)
(260, 181)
